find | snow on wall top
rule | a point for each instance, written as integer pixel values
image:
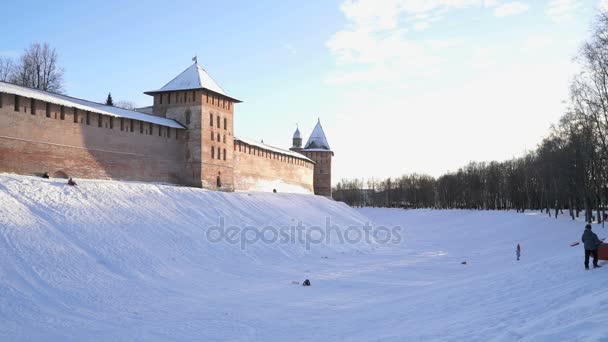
(195, 77)
(317, 140)
(145, 110)
(274, 149)
(94, 107)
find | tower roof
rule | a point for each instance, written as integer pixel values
(296, 134)
(194, 77)
(317, 140)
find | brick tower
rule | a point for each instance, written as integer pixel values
(317, 148)
(196, 101)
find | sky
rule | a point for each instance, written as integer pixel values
(400, 86)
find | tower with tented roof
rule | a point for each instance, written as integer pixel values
(317, 148)
(197, 101)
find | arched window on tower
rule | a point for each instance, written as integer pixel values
(211, 119)
(218, 121)
(224, 154)
(212, 152)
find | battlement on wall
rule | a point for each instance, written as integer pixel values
(186, 137)
(37, 136)
(262, 167)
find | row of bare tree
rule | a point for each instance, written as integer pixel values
(568, 170)
(36, 68)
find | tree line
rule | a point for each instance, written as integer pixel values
(568, 171)
(38, 68)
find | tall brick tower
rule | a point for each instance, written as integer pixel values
(196, 101)
(317, 148)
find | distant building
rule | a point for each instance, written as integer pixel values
(317, 148)
(186, 137)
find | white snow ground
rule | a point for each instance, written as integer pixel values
(130, 261)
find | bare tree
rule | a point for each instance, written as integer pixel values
(38, 68)
(125, 105)
(6, 68)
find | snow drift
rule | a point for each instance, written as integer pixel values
(131, 261)
(73, 255)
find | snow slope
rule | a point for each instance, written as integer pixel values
(131, 261)
(105, 257)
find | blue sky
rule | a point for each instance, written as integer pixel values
(400, 85)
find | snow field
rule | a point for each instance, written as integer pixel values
(131, 261)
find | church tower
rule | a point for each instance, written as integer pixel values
(197, 101)
(317, 148)
(297, 139)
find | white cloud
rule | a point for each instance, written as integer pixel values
(377, 42)
(422, 25)
(464, 97)
(562, 10)
(387, 14)
(494, 116)
(483, 58)
(510, 8)
(536, 42)
(370, 56)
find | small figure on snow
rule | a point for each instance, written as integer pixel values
(306, 283)
(71, 182)
(591, 242)
(518, 252)
(45, 175)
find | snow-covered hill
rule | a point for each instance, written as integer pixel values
(133, 261)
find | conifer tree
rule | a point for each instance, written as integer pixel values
(109, 101)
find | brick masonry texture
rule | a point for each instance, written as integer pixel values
(205, 154)
(34, 143)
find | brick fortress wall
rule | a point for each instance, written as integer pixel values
(67, 141)
(63, 140)
(260, 169)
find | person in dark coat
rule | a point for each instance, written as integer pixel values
(591, 242)
(71, 182)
